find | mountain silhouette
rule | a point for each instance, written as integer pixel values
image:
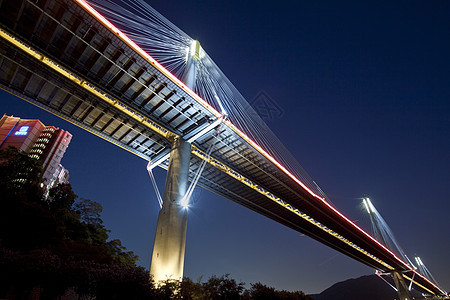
(369, 287)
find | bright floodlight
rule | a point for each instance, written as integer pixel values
(369, 207)
(194, 50)
(419, 261)
(366, 206)
(185, 201)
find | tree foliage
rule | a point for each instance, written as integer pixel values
(20, 176)
(263, 292)
(44, 242)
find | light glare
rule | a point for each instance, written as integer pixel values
(366, 205)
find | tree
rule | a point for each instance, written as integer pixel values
(20, 175)
(168, 290)
(89, 211)
(59, 242)
(119, 253)
(261, 291)
(61, 198)
(191, 290)
(223, 287)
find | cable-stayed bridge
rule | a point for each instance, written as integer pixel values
(68, 59)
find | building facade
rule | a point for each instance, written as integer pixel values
(47, 144)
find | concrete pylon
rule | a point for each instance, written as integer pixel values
(170, 239)
(190, 73)
(402, 289)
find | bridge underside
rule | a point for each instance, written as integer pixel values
(74, 40)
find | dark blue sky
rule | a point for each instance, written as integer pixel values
(365, 94)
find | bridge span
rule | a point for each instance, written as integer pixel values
(66, 58)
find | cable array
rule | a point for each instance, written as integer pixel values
(424, 270)
(170, 47)
(213, 85)
(186, 199)
(155, 186)
(150, 30)
(382, 232)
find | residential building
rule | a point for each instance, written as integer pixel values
(47, 144)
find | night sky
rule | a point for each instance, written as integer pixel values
(364, 90)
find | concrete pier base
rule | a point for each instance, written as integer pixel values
(170, 239)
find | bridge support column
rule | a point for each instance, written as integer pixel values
(170, 239)
(402, 289)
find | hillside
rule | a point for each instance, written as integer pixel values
(369, 287)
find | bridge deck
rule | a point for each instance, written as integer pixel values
(78, 69)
